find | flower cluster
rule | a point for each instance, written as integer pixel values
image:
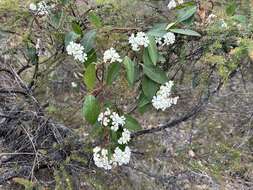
(168, 39)
(102, 159)
(125, 138)
(119, 155)
(162, 99)
(140, 39)
(40, 9)
(111, 118)
(172, 4)
(77, 50)
(111, 55)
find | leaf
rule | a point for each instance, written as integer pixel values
(143, 100)
(77, 28)
(91, 57)
(64, 2)
(90, 76)
(143, 103)
(231, 8)
(158, 30)
(186, 13)
(69, 37)
(112, 73)
(88, 40)
(91, 109)
(155, 74)
(146, 58)
(170, 25)
(24, 182)
(130, 70)
(95, 19)
(132, 124)
(56, 18)
(96, 130)
(185, 32)
(32, 55)
(240, 18)
(149, 87)
(152, 50)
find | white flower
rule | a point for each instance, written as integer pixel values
(112, 56)
(101, 159)
(122, 157)
(43, 8)
(73, 84)
(96, 149)
(103, 119)
(169, 38)
(77, 50)
(32, 7)
(140, 39)
(126, 137)
(223, 24)
(210, 18)
(172, 4)
(158, 40)
(180, 2)
(117, 121)
(162, 99)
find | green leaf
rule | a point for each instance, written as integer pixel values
(146, 58)
(143, 100)
(96, 131)
(130, 70)
(240, 18)
(32, 55)
(112, 73)
(90, 76)
(91, 57)
(76, 28)
(185, 32)
(149, 87)
(152, 50)
(158, 30)
(155, 74)
(186, 13)
(143, 103)
(88, 40)
(64, 2)
(56, 18)
(91, 109)
(231, 8)
(69, 37)
(95, 19)
(132, 124)
(170, 25)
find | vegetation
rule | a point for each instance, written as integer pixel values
(110, 94)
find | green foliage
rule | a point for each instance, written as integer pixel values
(91, 109)
(95, 19)
(185, 32)
(69, 37)
(112, 72)
(152, 50)
(130, 70)
(90, 76)
(155, 73)
(149, 87)
(132, 124)
(88, 40)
